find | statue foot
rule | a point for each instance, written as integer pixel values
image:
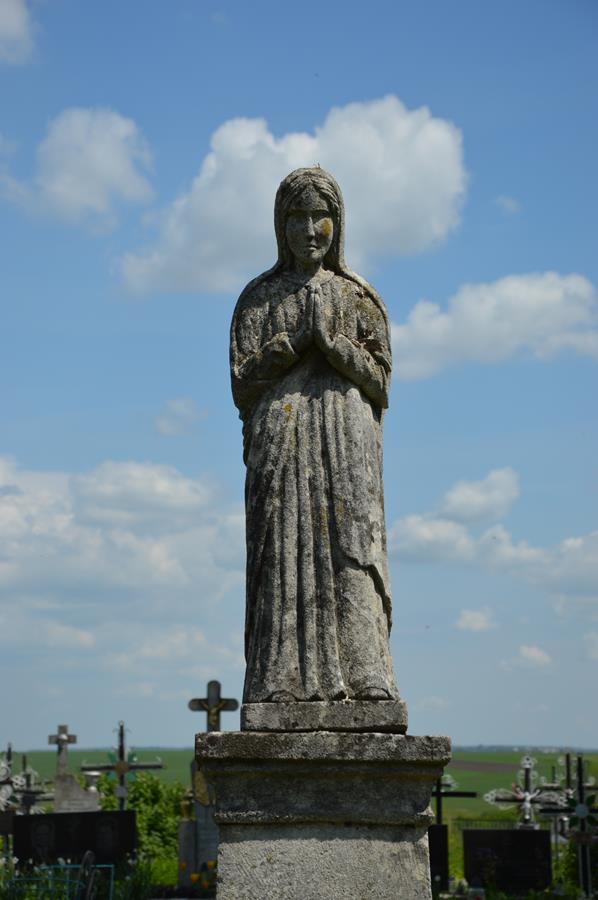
(281, 697)
(373, 693)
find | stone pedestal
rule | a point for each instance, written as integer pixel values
(322, 815)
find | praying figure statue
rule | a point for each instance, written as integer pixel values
(310, 366)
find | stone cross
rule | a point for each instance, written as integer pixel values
(125, 763)
(62, 738)
(213, 705)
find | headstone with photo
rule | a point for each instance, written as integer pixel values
(111, 836)
(507, 859)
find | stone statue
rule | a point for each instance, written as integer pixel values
(310, 365)
(322, 793)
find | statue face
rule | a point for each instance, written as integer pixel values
(309, 228)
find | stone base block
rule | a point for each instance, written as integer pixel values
(324, 862)
(331, 715)
(322, 815)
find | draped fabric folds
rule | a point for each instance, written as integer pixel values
(318, 598)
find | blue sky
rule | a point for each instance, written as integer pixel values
(140, 148)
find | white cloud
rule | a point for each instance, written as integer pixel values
(508, 204)
(401, 172)
(144, 495)
(16, 31)
(567, 570)
(475, 620)
(90, 161)
(591, 640)
(474, 501)
(177, 416)
(80, 544)
(534, 656)
(542, 314)
(423, 538)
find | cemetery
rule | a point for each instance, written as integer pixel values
(510, 824)
(323, 792)
(253, 614)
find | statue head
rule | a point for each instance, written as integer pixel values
(310, 192)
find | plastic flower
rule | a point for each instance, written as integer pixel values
(193, 877)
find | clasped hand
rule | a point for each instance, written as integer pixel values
(315, 327)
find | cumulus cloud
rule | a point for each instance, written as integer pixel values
(90, 161)
(80, 544)
(447, 535)
(474, 501)
(401, 172)
(16, 32)
(423, 538)
(541, 314)
(177, 416)
(475, 620)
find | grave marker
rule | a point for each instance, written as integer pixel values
(125, 764)
(213, 705)
(69, 796)
(438, 833)
(111, 836)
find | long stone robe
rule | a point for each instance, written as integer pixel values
(318, 599)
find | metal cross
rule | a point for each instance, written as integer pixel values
(125, 763)
(213, 705)
(524, 794)
(62, 738)
(446, 787)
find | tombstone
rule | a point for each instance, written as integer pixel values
(507, 859)
(69, 795)
(322, 793)
(111, 836)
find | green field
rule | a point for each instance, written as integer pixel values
(473, 770)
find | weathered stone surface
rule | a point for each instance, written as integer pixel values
(322, 794)
(69, 796)
(310, 367)
(405, 749)
(323, 863)
(352, 809)
(322, 776)
(332, 715)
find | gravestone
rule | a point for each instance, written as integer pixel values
(322, 794)
(507, 859)
(45, 839)
(69, 795)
